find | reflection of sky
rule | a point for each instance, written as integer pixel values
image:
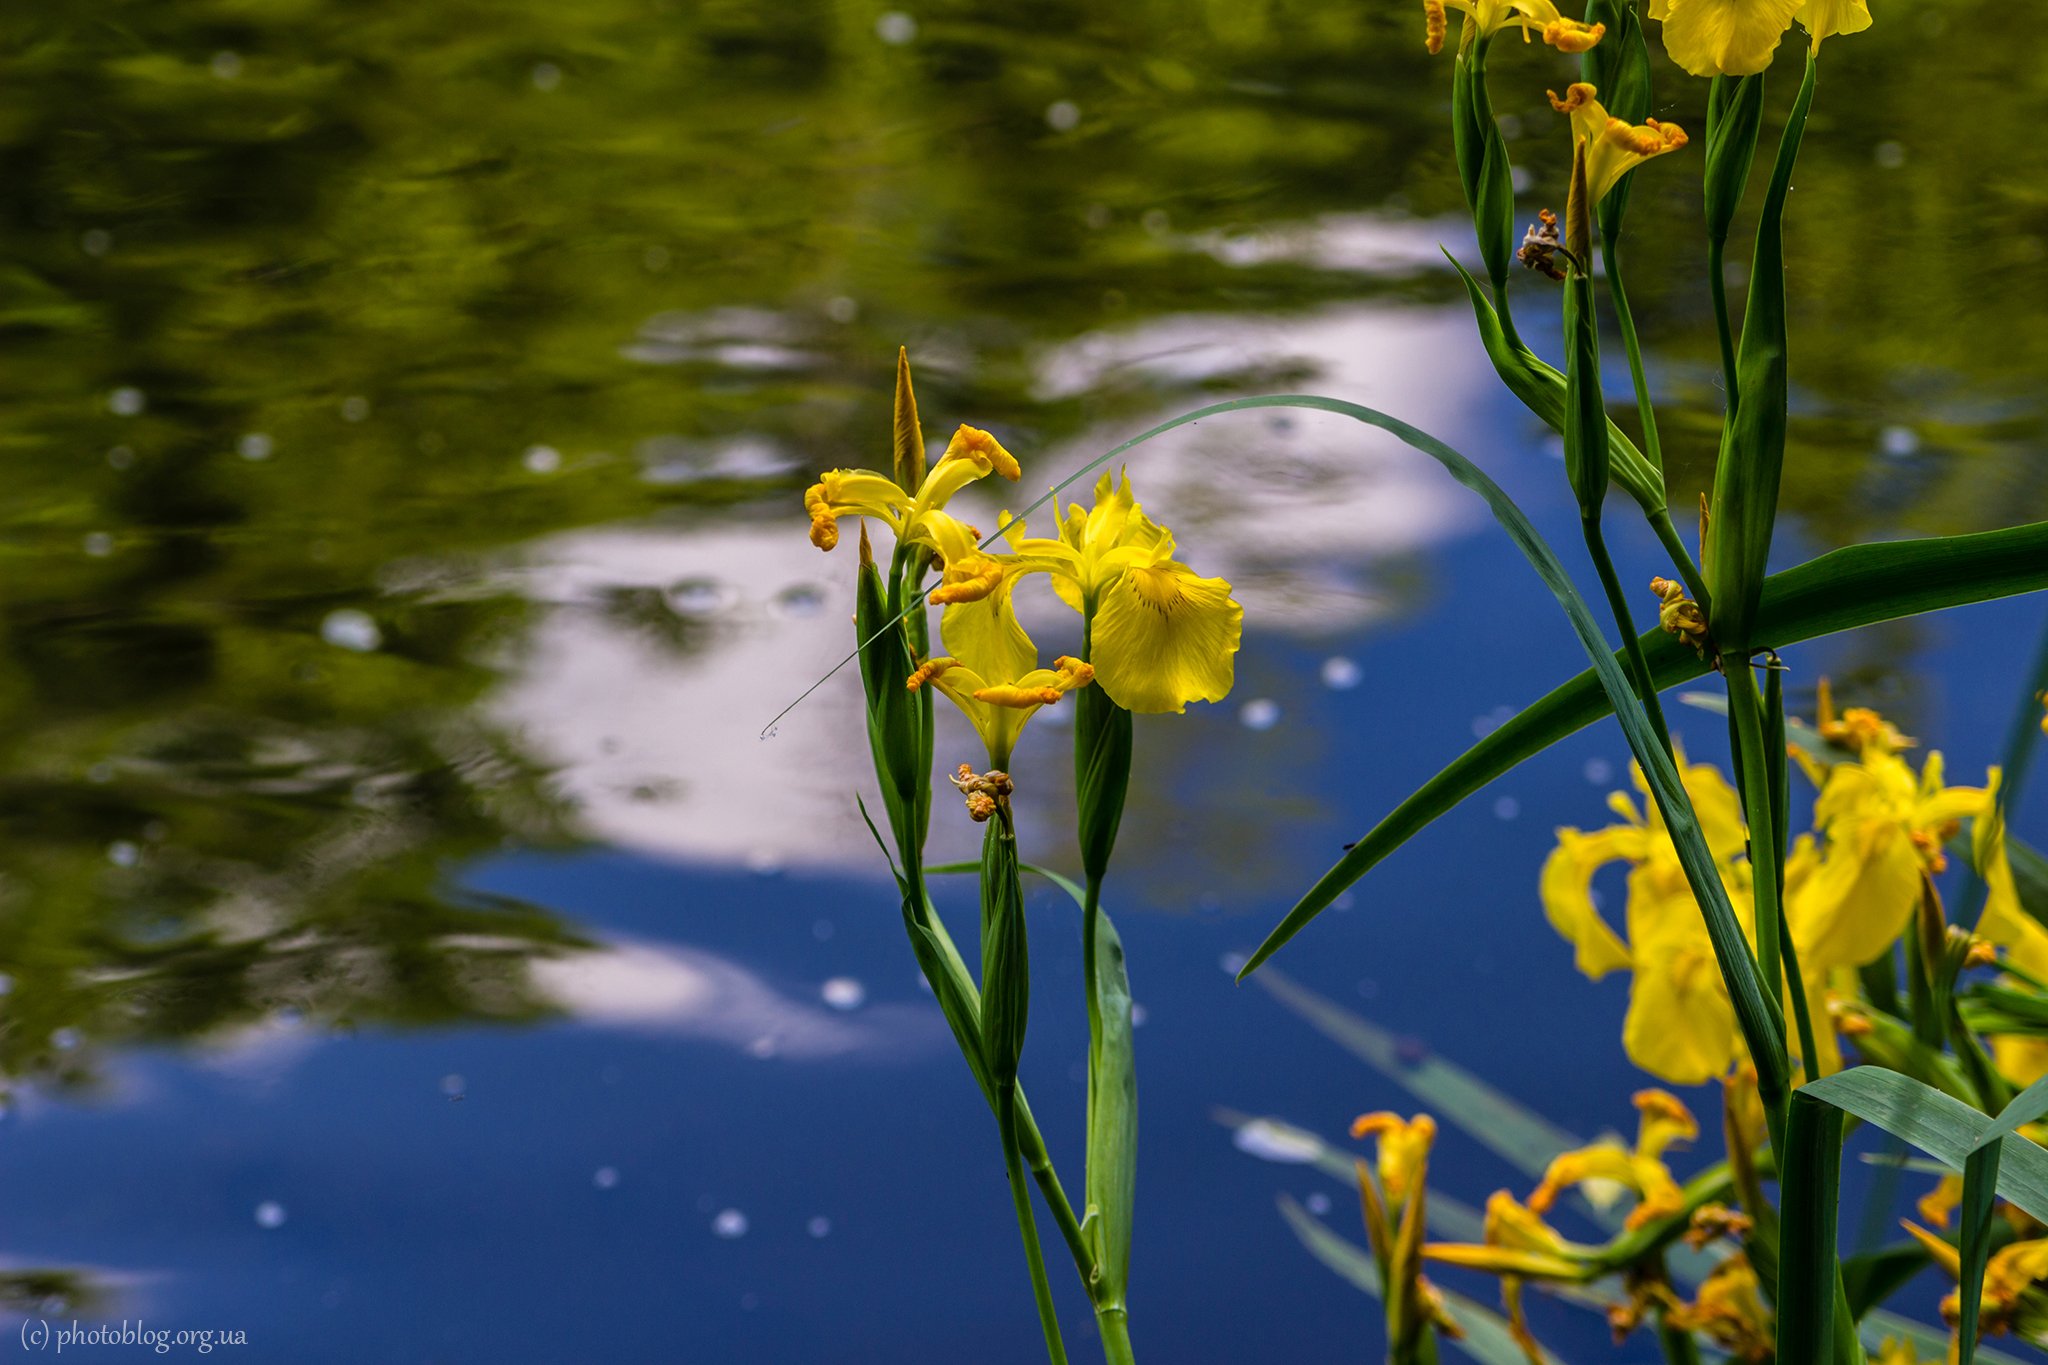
(750, 1051)
(569, 1204)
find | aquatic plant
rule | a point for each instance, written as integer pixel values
(1753, 958)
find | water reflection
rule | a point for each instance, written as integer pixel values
(406, 408)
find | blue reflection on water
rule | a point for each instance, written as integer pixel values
(438, 1196)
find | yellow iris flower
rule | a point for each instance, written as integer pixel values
(1395, 1209)
(2015, 1286)
(1520, 1245)
(1729, 1311)
(1640, 1170)
(1537, 17)
(1162, 635)
(1613, 146)
(1738, 37)
(1680, 1025)
(1884, 830)
(992, 674)
(919, 518)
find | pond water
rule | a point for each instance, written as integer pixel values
(408, 948)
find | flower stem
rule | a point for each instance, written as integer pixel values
(1041, 1291)
(1638, 668)
(1617, 290)
(1717, 282)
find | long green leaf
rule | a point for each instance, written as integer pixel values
(1808, 1278)
(1842, 590)
(1980, 1198)
(1940, 1125)
(1112, 1117)
(1745, 506)
(1755, 1011)
(1487, 1338)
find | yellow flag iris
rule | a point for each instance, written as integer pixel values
(1680, 1025)
(919, 518)
(1724, 37)
(1535, 18)
(1613, 147)
(1640, 1170)
(992, 673)
(2015, 1285)
(1161, 635)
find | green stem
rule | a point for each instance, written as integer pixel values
(1048, 1319)
(1638, 669)
(1717, 282)
(1617, 290)
(1778, 755)
(1032, 1144)
(1753, 777)
(1116, 1334)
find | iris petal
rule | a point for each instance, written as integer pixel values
(1164, 637)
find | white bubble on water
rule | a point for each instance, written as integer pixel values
(347, 628)
(1341, 674)
(842, 309)
(1270, 1141)
(226, 65)
(453, 1086)
(1598, 771)
(606, 1177)
(123, 853)
(270, 1214)
(896, 28)
(1062, 116)
(354, 409)
(1899, 442)
(820, 1226)
(1890, 155)
(255, 446)
(546, 76)
(541, 459)
(65, 1039)
(763, 1048)
(1138, 1015)
(126, 401)
(1506, 808)
(99, 544)
(843, 993)
(1260, 713)
(1318, 1203)
(729, 1224)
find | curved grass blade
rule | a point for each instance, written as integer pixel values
(1755, 1010)
(1941, 1126)
(1522, 1137)
(1487, 1338)
(1842, 590)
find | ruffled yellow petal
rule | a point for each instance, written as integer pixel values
(1665, 1122)
(1725, 37)
(1848, 904)
(841, 493)
(1680, 1026)
(2005, 922)
(1826, 18)
(1164, 637)
(1613, 146)
(1567, 890)
(1939, 1203)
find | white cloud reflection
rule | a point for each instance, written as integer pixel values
(657, 744)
